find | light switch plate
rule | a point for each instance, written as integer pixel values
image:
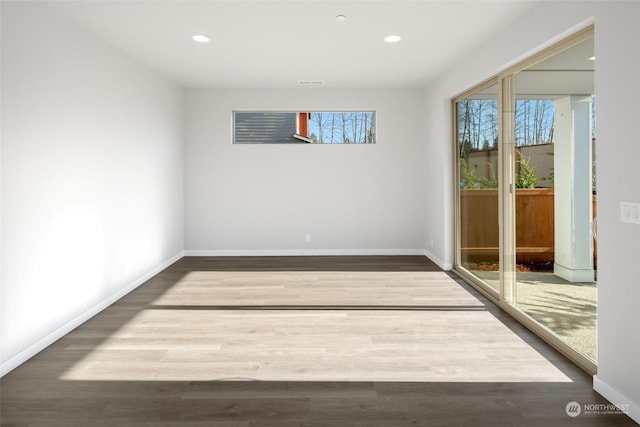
(630, 212)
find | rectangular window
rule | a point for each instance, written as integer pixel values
(306, 127)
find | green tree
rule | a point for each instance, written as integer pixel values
(468, 177)
(527, 176)
(492, 181)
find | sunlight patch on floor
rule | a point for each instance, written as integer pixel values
(198, 331)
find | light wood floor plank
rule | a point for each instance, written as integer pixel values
(309, 341)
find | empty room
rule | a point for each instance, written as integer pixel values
(309, 213)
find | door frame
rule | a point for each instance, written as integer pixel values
(505, 297)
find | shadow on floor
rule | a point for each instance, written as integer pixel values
(35, 394)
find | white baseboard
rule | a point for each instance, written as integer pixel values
(301, 252)
(617, 398)
(443, 265)
(35, 348)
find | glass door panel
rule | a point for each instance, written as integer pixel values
(554, 197)
(477, 181)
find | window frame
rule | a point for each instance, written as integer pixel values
(371, 128)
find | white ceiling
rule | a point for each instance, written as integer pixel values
(274, 44)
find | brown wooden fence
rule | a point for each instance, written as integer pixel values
(534, 225)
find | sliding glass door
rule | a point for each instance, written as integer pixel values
(555, 195)
(525, 194)
(477, 181)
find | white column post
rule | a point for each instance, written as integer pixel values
(573, 189)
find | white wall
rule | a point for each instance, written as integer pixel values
(263, 199)
(618, 153)
(92, 177)
(617, 91)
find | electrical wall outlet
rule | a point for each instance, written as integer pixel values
(307, 238)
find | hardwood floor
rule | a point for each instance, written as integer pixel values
(308, 341)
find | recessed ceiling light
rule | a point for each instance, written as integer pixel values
(200, 38)
(393, 38)
(341, 18)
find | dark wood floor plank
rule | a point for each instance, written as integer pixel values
(299, 341)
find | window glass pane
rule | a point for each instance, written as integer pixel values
(477, 130)
(555, 202)
(310, 127)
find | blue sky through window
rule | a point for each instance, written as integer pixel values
(343, 127)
